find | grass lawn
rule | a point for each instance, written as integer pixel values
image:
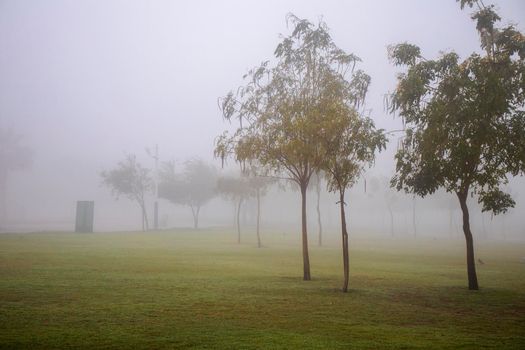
(199, 289)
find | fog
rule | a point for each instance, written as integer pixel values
(85, 83)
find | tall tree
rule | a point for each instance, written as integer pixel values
(280, 112)
(13, 156)
(351, 142)
(465, 120)
(194, 187)
(130, 179)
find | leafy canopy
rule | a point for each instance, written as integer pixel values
(129, 178)
(353, 143)
(194, 187)
(283, 111)
(465, 119)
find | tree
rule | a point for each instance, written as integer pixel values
(155, 156)
(194, 187)
(465, 120)
(282, 111)
(130, 179)
(238, 190)
(351, 142)
(259, 182)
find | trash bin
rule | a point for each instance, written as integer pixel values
(84, 220)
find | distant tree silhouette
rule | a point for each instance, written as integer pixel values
(236, 189)
(194, 187)
(132, 180)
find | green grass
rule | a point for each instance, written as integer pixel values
(184, 289)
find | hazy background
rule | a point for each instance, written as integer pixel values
(85, 82)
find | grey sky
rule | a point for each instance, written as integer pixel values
(97, 78)
(91, 80)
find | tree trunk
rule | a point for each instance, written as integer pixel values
(146, 218)
(145, 225)
(239, 221)
(319, 223)
(344, 234)
(471, 265)
(306, 257)
(195, 212)
(197, 217)
(258, 217)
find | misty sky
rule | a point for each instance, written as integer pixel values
(97, 78)
(86, 81)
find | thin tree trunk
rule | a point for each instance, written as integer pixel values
(344, 234)
(195, 212)
(319, 223)
(146, 218)
(471, 265)
(258, 217)
(239, 221)
(142, 203)
(197, 217)
(144, 214)
(306, 257)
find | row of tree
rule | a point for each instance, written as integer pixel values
(194, 186)
(464, 120)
